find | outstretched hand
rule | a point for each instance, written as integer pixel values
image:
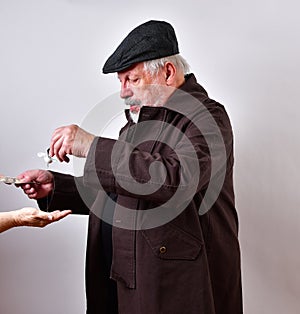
(29, 216)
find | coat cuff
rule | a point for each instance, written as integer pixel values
(64, 196)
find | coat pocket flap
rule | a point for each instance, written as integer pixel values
(170, 243)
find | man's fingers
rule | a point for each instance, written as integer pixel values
(32, 195)
(60, 148)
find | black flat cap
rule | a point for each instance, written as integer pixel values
(149, 41)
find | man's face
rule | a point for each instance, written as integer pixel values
(139, 88)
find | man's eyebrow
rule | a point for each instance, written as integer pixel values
(125, 75)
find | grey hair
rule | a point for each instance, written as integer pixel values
(152, 66)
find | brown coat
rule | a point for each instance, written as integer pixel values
(182, 257)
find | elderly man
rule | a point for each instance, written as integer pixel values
(163, 229)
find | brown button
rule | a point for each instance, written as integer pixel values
(162, 249)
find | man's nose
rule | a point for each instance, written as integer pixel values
(125, 92)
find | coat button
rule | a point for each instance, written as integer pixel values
(162, 249)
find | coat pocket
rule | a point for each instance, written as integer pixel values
(171, 243)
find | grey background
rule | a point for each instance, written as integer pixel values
(245, 53)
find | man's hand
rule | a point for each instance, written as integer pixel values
(29, 216)
(70, 140)
(36, 183)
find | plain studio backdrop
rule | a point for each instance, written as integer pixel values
(245, 53)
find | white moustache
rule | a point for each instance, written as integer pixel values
(132, 102)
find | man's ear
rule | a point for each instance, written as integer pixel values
(170, 73)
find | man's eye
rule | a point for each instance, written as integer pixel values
(134, 81)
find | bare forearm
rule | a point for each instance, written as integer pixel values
(7, 220)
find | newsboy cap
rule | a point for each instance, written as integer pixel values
(149, 41)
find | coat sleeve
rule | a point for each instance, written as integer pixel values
(155, 170)
(69, 193)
